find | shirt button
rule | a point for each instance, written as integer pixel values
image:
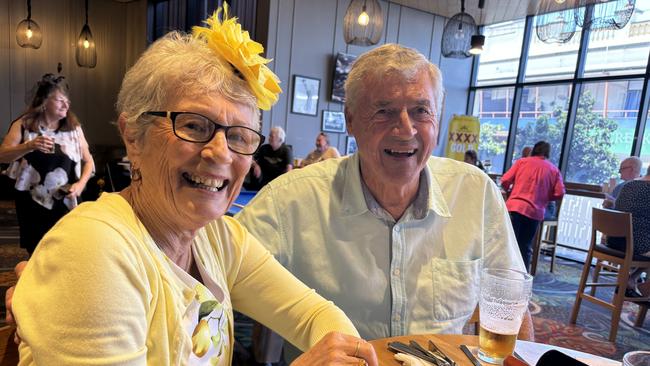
(397, 228)
(396, 271)
(397, 317)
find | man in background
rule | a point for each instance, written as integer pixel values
(271, 160)
(322, 152)
(630, 169)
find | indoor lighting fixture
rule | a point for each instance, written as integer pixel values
(457, 34)
(606, 15)
(28, 33)
(363, 23)
(478, 41)
(85, 53)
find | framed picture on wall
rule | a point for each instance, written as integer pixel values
(333, 122)
(305, 95)
(342, 66)
(350, 145)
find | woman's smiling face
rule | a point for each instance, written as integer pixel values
(187, 183)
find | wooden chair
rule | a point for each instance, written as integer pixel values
(547, 228)
(612, 224)
(643, 311)
(8, 348)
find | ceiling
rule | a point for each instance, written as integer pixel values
(495, 11)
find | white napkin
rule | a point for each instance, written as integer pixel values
(408, 360)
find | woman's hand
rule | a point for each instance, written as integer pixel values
(339, 349)
(75, 190)
(42, 143)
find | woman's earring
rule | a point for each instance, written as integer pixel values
(136, 175)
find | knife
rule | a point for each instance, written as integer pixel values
(469, 355)
(433, 348)
(440, 359)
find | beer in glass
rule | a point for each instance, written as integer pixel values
(502, 305)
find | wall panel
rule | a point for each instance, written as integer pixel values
(305, 37)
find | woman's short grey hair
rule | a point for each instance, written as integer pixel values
(279, 132)
(178, 66)
(389, 59)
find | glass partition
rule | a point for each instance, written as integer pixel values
(499, 61)
(493, 108)
(542, 117)
(604, 130)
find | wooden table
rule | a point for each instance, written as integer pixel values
(449, 344)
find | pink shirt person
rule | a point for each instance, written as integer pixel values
(535, 181)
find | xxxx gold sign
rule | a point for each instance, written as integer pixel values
(464, 132)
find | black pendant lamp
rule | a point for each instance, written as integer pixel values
(457, 35)
(363, 23)
(86, 54)
(478, 40)
(28, 33)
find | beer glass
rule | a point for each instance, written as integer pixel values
(502, 305)
(637, 358)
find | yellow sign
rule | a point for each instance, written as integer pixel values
(464, 132)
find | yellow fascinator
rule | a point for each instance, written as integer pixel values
(232, 43)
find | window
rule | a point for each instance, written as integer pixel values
(499, 61)
(645, 147)
(543, 117)
(493, 108)
(552, 61)
(604, 130)
(622, 51)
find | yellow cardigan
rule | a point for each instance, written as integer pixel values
(99, 291)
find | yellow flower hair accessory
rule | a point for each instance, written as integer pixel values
(229, 41)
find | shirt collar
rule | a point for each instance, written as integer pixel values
(354, 200)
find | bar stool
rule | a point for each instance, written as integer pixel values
(611, 224)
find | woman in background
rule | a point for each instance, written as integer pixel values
(50, 160)
(471, 157)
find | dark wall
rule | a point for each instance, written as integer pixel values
(303, 38)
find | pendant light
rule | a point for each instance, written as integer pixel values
(28, 33)
(606, 15)
(478, 40)
(363, 23)
(86, 54)
(457, 35)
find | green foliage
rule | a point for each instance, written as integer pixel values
(492, 141)
(591, 158)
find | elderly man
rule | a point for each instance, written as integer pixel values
(322, 152)
(395, 237)
(630, 169)
(272, 159)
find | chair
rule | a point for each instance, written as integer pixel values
(612, 224)
(547, 229)
(640, 317)
(8, 348)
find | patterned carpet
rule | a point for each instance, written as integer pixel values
(553, 297)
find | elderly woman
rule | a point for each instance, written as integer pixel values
(151, 275)
(51, 162)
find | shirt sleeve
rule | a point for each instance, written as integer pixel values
(558, 188)
(508, 179)
(267, 292)
(82, 302)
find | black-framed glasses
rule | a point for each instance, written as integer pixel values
(194, 127)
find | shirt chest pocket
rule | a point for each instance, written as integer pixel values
(455, 288)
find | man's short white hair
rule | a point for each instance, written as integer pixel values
(279, 132)
(637, 164)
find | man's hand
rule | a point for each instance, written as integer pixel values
(9, 317)
(338, 349)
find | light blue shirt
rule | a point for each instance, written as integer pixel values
(417, 275)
